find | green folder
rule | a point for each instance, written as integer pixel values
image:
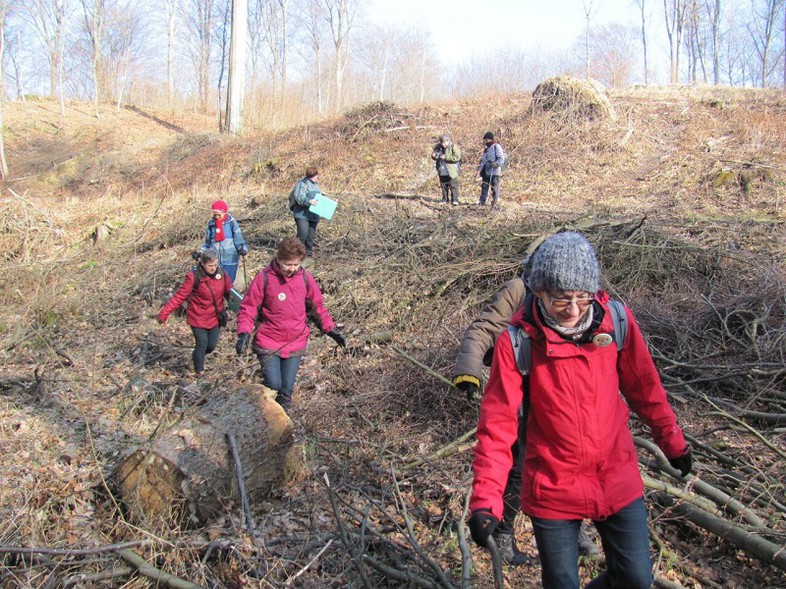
(325, 206)
(233, 304)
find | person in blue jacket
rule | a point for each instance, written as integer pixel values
(304, 195)
(223, 234)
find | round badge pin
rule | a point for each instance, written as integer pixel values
(218, 276)
(282, 296)
(602, 339)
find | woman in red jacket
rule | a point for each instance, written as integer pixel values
(278, 298)
(580, 459)
(204, 288)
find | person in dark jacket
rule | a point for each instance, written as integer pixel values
(223, 234)
(205, 289)
(282, 297)
(475, 350)
(303, 195)
(580, 459)
(446, 156)
(490, 169)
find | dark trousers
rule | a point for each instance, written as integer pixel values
(491, 182)
(450, 189)
(626, 546)
(206, 341)
(512, 496)
(278, 374)
(306, 230)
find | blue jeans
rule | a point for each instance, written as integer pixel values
(206, 341)
(278, 374)
(625, 542)
(230, 270)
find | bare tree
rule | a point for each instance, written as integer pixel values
(762, 31)
(642, 12)
(3, 164)
(311, 19)
(200, 20)
(49, 19)
(695, 46)
(714, 12)
(340, 16)
(173, 12)
(589, 11)
(674, 13)
(237, 66)
(613, 48)
(94, 13)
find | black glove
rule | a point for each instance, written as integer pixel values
(335, 334)
(683, 463)
(472, 390)
(482, 524)
(242, 251)
(242, 342)
(196, 254)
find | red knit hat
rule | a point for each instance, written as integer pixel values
(219, 205)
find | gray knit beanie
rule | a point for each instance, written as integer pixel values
(565, 261)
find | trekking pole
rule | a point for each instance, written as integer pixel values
(245, 276)
(496, 563)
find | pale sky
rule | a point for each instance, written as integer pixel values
(463, 28)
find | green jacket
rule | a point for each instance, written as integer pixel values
(451, 161)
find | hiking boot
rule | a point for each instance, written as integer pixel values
(586, 545)
(508, 550)
(284, 401)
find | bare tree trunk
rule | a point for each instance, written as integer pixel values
(641, 4)
(3, 163)
(237, 67)
(588, 14)
(284, 52)
(674, 13)
(340, 15)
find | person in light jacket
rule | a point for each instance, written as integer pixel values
(580, 459)
(281, 298)
(224, 235)
(303, 195)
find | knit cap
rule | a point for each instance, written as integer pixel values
(488, 135)
(219, 205)
(565, 261)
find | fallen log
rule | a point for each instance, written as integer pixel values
(186, 474)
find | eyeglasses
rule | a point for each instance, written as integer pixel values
(561, 304)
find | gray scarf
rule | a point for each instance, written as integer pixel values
(569, 333)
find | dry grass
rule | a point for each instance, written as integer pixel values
(87, 371)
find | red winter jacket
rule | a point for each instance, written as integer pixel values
(201, 311)
(283, 328)
(580, 459)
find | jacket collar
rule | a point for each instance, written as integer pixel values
(527, 317)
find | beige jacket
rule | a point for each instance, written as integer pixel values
(482, 333)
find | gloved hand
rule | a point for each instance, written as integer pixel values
(242, 251)
(494, 165)
(335, 334)
(470, 388)
(482, 524)
(242, 342)
(684, 462)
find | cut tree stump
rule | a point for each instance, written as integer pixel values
(186, 475)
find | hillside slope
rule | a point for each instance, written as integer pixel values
(682, 194)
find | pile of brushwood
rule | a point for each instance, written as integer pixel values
(380, 495)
